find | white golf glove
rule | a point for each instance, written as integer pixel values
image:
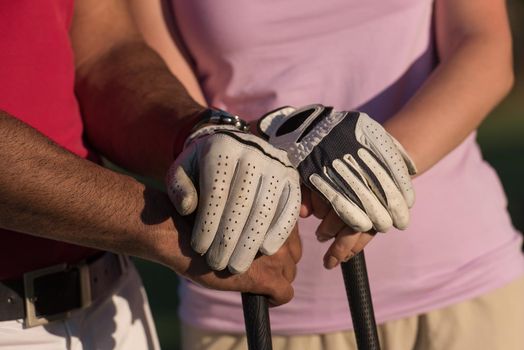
(350, 159)
(246, 190)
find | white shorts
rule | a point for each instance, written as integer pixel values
(121, 320)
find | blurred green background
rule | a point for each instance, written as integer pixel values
(501, 137)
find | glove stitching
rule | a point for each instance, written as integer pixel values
(250, 144)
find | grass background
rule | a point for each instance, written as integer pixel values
(501, 137)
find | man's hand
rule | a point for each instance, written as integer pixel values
(267, 275)
(247, 193)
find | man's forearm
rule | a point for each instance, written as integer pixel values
(135, 111)
(49, 192)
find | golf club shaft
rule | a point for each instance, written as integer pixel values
(360, 304)
(256, 317)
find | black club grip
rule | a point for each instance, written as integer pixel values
(360, 304)
(256, 317)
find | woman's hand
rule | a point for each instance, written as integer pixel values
(347, 241)
(358, 176)
(347, 157)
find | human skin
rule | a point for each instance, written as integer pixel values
(135, 114)
(475, 72)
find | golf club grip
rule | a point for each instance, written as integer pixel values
(256, 317)
(360, 304)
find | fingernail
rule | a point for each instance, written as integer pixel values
(331, 262)
(346, 259)
(322, 238)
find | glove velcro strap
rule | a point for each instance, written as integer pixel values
(282, 158)
(208, 130)
(272, 120)
(292, 124)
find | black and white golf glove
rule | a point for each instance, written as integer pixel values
(350, 159)
(247, 194)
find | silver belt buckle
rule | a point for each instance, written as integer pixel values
(31, 319)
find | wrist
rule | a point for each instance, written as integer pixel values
(166, 243)
(185, 129)
(216, 116)
(206, 120)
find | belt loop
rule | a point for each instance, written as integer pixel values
(85, 285)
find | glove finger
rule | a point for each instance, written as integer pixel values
(181, 190)
(394, 201)
(216, 173)
(377, 213)
(285, 218)
(180, 182)
(236, 213)
(348, 211)
(257, 224)
(412, 168)
(398, 168)
(406, 186)
(376, 138)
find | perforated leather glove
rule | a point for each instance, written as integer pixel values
(350, 159)
(247, 194)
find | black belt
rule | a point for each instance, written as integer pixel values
(51, 293)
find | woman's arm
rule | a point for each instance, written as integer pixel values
(474, 74)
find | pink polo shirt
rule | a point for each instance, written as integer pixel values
(253, 56)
